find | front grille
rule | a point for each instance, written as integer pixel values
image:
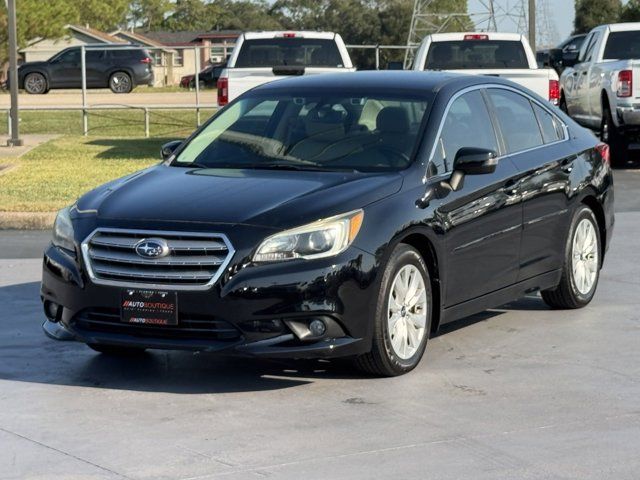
(191, 327)
(193, 261)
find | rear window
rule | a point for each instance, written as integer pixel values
(476, 54)
(301, 52)
(622, 46)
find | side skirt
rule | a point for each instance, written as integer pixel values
(502, 296)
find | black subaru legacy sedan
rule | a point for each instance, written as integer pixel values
(337, 216)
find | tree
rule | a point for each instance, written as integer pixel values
(148, 14)
(631, 12)
(243, 15)
(188, 15)
(591, 13)
(35, 19)
(101, 15)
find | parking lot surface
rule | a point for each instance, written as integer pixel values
(518, 392)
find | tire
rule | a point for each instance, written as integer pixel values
(563, 105)
(120, 82)
(36, 84)
(395, 351)
(116, 351)
(609, 134)
(571, 292)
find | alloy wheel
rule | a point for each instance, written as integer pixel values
(584, 257)
(407, 312)
(120, 83)
(35, 83)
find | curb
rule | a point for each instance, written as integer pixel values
(26, 220)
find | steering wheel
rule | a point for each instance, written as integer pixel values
(403, 158)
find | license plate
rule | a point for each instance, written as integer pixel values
(149, 307)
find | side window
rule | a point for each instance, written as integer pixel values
(72, 56)
(94, 55)
(516, 119)
(585, 48)
(467, 124)
(592, 47)
(549, 124)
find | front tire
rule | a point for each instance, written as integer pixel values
(35, 84)
(609, 134)
(581, 269)
(403, 315)
(120, 82)
(116, 351)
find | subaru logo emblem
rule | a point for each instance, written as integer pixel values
(152, 248)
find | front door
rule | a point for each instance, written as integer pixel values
(483, 219)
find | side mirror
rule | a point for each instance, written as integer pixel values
(569, 59)
(475, 161)
(168, 148)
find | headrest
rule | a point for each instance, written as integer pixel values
(324, 123)
(393, 120)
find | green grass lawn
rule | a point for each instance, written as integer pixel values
(116, 123)
(55, 174)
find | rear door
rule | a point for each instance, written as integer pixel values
(534, 138)
(483, 219)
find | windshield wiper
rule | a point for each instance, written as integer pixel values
(190, 165)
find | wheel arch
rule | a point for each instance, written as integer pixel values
(42, 72)
(419, 240)
(592, 202)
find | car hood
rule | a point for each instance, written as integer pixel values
(268, 198)
(32, 64)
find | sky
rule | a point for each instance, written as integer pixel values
(562, 11)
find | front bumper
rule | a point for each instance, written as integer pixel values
(253, 312)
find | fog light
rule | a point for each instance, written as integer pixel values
(317, 328)
(51, 310)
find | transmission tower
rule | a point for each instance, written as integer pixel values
(425, 21)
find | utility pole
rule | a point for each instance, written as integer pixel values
(15, 140)
(532, 24)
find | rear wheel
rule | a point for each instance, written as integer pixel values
(609, 134)
(35, 84)
(403, 315)
(563, 105)
(115, 350)
(120, 82)
(581, 269)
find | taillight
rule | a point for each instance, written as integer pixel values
(625, 83)
(223, 91)
(146, 60)
(554, 91)
(603, 150)
(476, 36)
(289, 35)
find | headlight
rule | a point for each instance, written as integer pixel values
(320, 239)
(63, 231)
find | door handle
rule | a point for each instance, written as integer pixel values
(511, 188)
(566, 166)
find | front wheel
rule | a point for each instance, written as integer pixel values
(581, 269)
(403, 315)
(35, 84)
(120, 82)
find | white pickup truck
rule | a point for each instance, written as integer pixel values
(598, 91)
(505, 55)
(261, 57)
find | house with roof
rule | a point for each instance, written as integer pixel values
(175, 53)
(44, 48)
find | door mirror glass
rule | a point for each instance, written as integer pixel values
(475, 161)
(166, 151)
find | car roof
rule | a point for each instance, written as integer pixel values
(286, 33)
(624, 27)
(391, 80)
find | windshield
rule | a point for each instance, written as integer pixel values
(299, 52)
(310, 132)
(622, 46)
(476, 54)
